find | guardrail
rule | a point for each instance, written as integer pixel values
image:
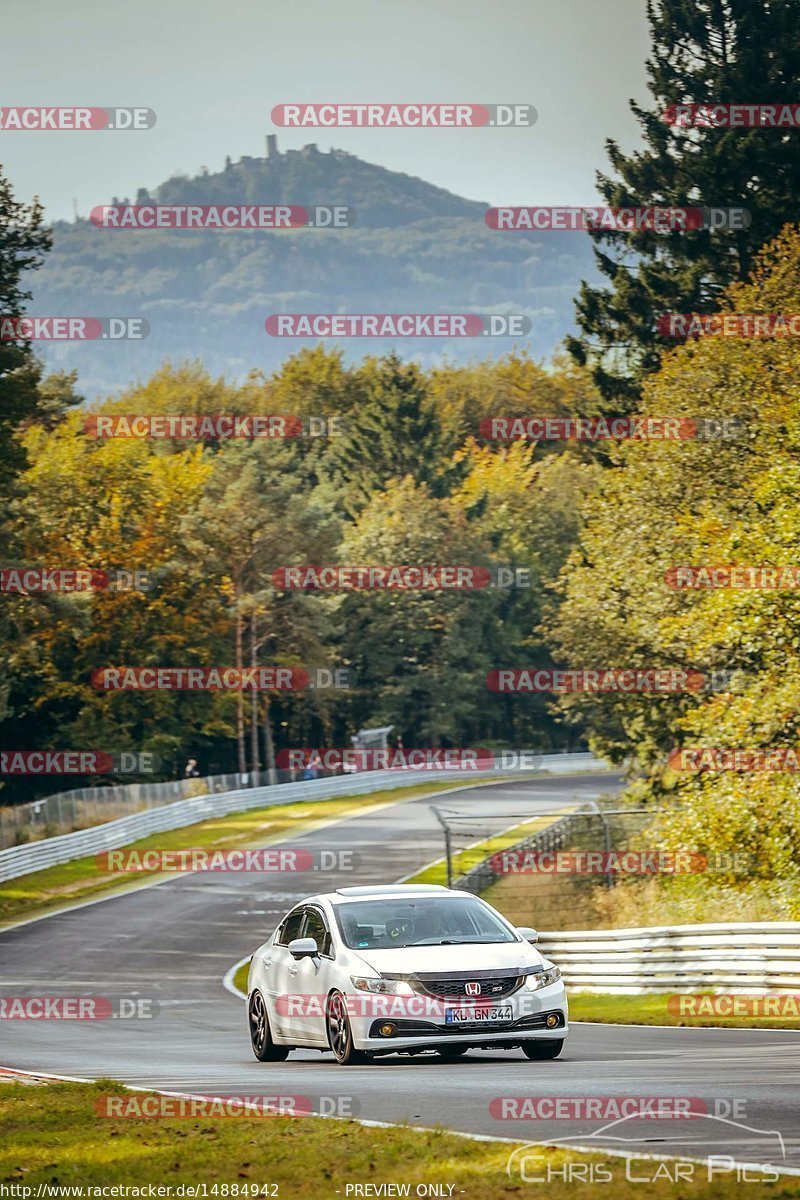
(50, 852)
(741, 956)
(80, 808)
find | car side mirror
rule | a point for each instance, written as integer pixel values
(529, 934)
(303, 948)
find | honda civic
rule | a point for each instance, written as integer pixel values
(368, 971)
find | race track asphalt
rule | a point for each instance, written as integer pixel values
(174, 942)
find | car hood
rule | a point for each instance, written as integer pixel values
(409, 960)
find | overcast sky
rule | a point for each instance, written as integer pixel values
(213, 71)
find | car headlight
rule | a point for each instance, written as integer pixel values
(542, 978)
(385, 987)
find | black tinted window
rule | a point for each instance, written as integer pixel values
(315, 928)
(290, 929)
(439, 921)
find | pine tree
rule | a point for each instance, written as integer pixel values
(23, 241)
(704, 52)
(393, 433)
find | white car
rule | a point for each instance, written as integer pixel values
(367, 971)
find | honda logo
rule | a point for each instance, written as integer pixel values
(472, 989)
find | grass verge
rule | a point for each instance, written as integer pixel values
(652, 1010)
(240, 978)
(53, 1135)
(83, 879)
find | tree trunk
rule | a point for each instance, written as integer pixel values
(269, 745)
(240, 694)
(254, 703)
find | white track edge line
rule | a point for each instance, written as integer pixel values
(472, 1137)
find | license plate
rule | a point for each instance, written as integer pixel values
(477, 1016)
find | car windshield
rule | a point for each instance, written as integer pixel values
(434, 921)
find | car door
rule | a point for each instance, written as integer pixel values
(280, 983)
(312, 978)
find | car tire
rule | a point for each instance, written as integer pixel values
(543, 1047)
(451, 1053)
(340, 1033)
(264, 1048)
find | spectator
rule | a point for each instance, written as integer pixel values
(190, 770)
(314, 767)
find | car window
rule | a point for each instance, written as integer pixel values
(290, 929)
(447, 920)
(315, 928)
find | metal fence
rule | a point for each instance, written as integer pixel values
(740, 956)
(64, 812)
(500, 866)
(51, 851)
(80, 808)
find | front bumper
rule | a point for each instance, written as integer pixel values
(410, 1025)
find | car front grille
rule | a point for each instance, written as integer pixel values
(452, 989)
(403, 1027)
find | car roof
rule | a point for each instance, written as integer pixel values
(388, 892)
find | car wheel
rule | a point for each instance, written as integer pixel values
(340, 1035)
(543, 1047)
(264, 1048)
(451, 1053)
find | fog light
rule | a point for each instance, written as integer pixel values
(388, 1029)
(551, 1020)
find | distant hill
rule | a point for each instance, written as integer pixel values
(414, 248)
(382, 199)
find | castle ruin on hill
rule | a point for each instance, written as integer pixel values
(273, 154)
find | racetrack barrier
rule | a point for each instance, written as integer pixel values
(739, 956)
(111, 835)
